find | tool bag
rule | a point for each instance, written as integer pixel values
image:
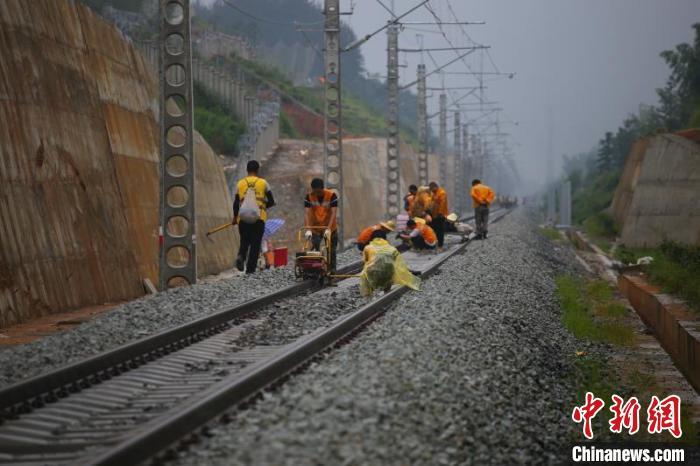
(250, 210)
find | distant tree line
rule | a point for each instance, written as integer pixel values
(595, 174)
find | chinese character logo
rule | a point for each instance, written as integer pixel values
(665, 415)
(587, 412)
(625, 415)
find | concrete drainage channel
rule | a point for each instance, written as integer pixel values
(126, 405)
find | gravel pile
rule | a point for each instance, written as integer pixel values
(475, 369)
(140, 318)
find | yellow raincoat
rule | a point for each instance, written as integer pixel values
(384, 267)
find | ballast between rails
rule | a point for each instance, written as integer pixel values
(23, 396)
(167, 430)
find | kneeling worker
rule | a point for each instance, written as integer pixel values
(422, 237)
(384, 267)
(366, 235)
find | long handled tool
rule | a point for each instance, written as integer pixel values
(219, 228)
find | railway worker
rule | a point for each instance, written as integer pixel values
(366, 235)
(421, 236)
(482, 197)
(438, 211)
(321, 210)
(253, 198)
(410, 198)
(453, 225)
(422, 203)
(383, 267)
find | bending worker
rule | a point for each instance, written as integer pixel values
(482, 197)
(253, 198)
(321, 210)
(422, 237)
(384, 267)
(366, 235)
(439, 211)
(422, 203)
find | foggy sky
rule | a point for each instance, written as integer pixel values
(591, 61)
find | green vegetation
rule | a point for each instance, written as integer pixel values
(551, 233)
(215, 123)
(675, 268)
(600, 229)
(278, 28)
(594, 175)
(287, 129)
(359, 118)
(590, 313)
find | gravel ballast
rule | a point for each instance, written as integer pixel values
(140, 318)
(474, 369)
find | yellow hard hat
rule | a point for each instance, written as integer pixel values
(388, 225)
(452, 217)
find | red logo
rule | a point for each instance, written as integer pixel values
(665, 415)
(662, 415)
(625, 415)
(587, 412)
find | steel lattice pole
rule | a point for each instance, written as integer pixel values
(177, 235)
(333, 164)
(393, 181)
(422, 127)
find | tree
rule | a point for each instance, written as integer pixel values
(606, 152)
(680, 98)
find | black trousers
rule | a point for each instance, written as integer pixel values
(251, 240)
(438, 225)
(316, 243)
(419, 243)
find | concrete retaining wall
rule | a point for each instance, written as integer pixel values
(79, 164)
(657, 198)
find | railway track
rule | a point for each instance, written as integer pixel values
(123, 406)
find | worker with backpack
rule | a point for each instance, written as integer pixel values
(253, 198)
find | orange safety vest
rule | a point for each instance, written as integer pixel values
(421, 204)
(428, 234)
(482, 194)
(321, 210)
(366, 234)
(410, 200)
(440, 203)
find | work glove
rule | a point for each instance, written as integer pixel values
(308, 234)
(327, 233)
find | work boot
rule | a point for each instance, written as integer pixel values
(240, 264)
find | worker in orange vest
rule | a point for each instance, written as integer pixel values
(366, 235)
(438, 211)
(410, 198)
(422, 237)
(321, 210)
(421, 204)
(482, 197)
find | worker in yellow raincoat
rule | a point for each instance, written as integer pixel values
(384, 267)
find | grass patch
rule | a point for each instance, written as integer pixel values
(600, 228)
(589, 312)
(551, 233)
(675, 268)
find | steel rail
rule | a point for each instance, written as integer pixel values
(34, 392)
(164, 431)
